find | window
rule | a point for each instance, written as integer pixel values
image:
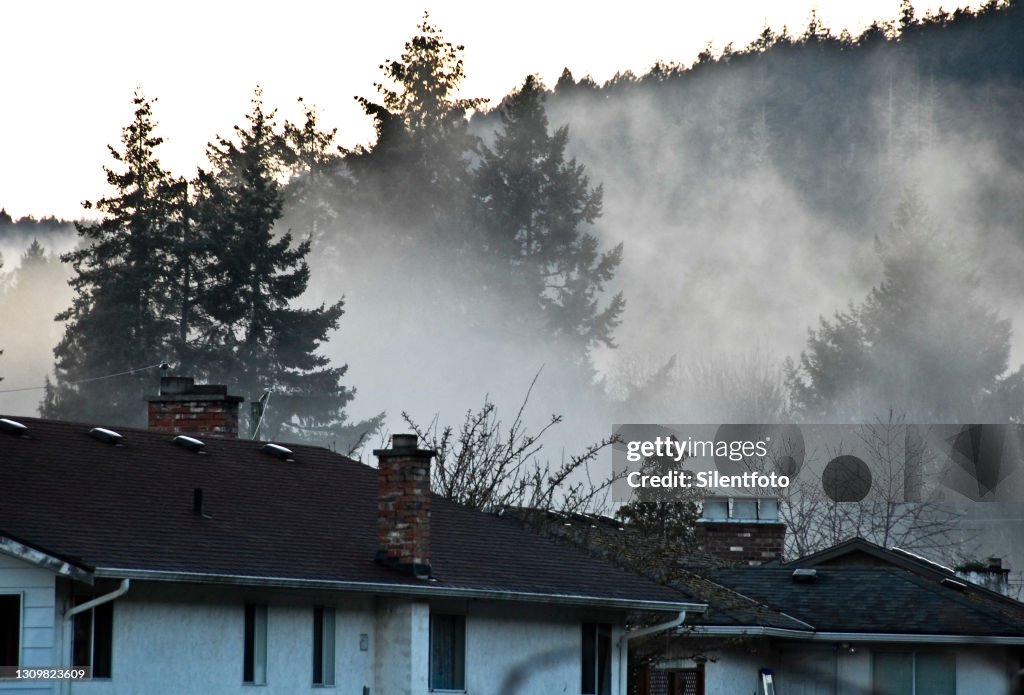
(323, 646)
(92, 635)
(918, 673)
(254, 668)
(10, 630)
(447, 652)
(597, 659)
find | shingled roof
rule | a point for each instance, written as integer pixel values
(877, 600)
(127, 510)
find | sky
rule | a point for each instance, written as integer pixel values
(72, 67)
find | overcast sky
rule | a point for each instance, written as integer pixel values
(70, 67)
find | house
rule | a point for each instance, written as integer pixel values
(855, 619)
(180, 559)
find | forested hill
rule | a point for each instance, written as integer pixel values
(835, 115)
(747, 191)
(750, 186)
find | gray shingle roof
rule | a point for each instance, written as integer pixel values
(130, 507)
(878, 599)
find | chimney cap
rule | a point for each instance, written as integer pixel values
(404, 445)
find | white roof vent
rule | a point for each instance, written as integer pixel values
(281, 452)
(105, 435)
(805, 575)
(190, 443)
(12, 427)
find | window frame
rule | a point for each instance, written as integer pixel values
(595, 658)
(458, 652)
(913, 657)
(18, 629)
(97, 625)
(324, 640)
(254, 644)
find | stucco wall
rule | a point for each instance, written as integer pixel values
(38, 618)
(192, 641)
(511, 649)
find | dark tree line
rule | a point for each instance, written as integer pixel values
(192, 273)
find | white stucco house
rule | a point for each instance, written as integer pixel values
(166, 563)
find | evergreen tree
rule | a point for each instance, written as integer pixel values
(536, 205)
(118, 321)
(257, 341)
(417, 173)
(922, 344)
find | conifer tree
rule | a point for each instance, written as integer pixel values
(418, 171)
(118, 321)
(922, 344)
(257, 340)
(536, 207)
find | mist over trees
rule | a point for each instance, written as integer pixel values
(922, 343)
(731, 201)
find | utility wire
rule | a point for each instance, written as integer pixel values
(85, 381)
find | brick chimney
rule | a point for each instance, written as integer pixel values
(991, 575)
(742, 530)
(403, 506)
(183, 407)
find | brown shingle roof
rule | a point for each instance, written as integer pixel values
(128, 509)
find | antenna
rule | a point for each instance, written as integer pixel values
(257, 410)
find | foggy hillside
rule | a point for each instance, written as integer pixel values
(747, 190)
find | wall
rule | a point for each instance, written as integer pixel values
(826, 669)
(38, 618)
(511, 649)
(191, 640)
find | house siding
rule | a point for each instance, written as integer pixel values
(191, 640)
(38, 619)
(507, 652)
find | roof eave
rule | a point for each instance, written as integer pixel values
(427, 589)
(44, 560)
(762, 631)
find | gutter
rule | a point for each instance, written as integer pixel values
(642, 632)
(422, 588)
(99, 600)
(784, 633)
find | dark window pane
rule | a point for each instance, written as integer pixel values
(588, 666)
(935, 674)
(10, 630)
(250, 642)
(81, 640)
(893, 674)
(604, 659)
(102, 639)
(596, 663)
(318, 646)
(448, 652)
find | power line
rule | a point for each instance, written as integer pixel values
(85, 381)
